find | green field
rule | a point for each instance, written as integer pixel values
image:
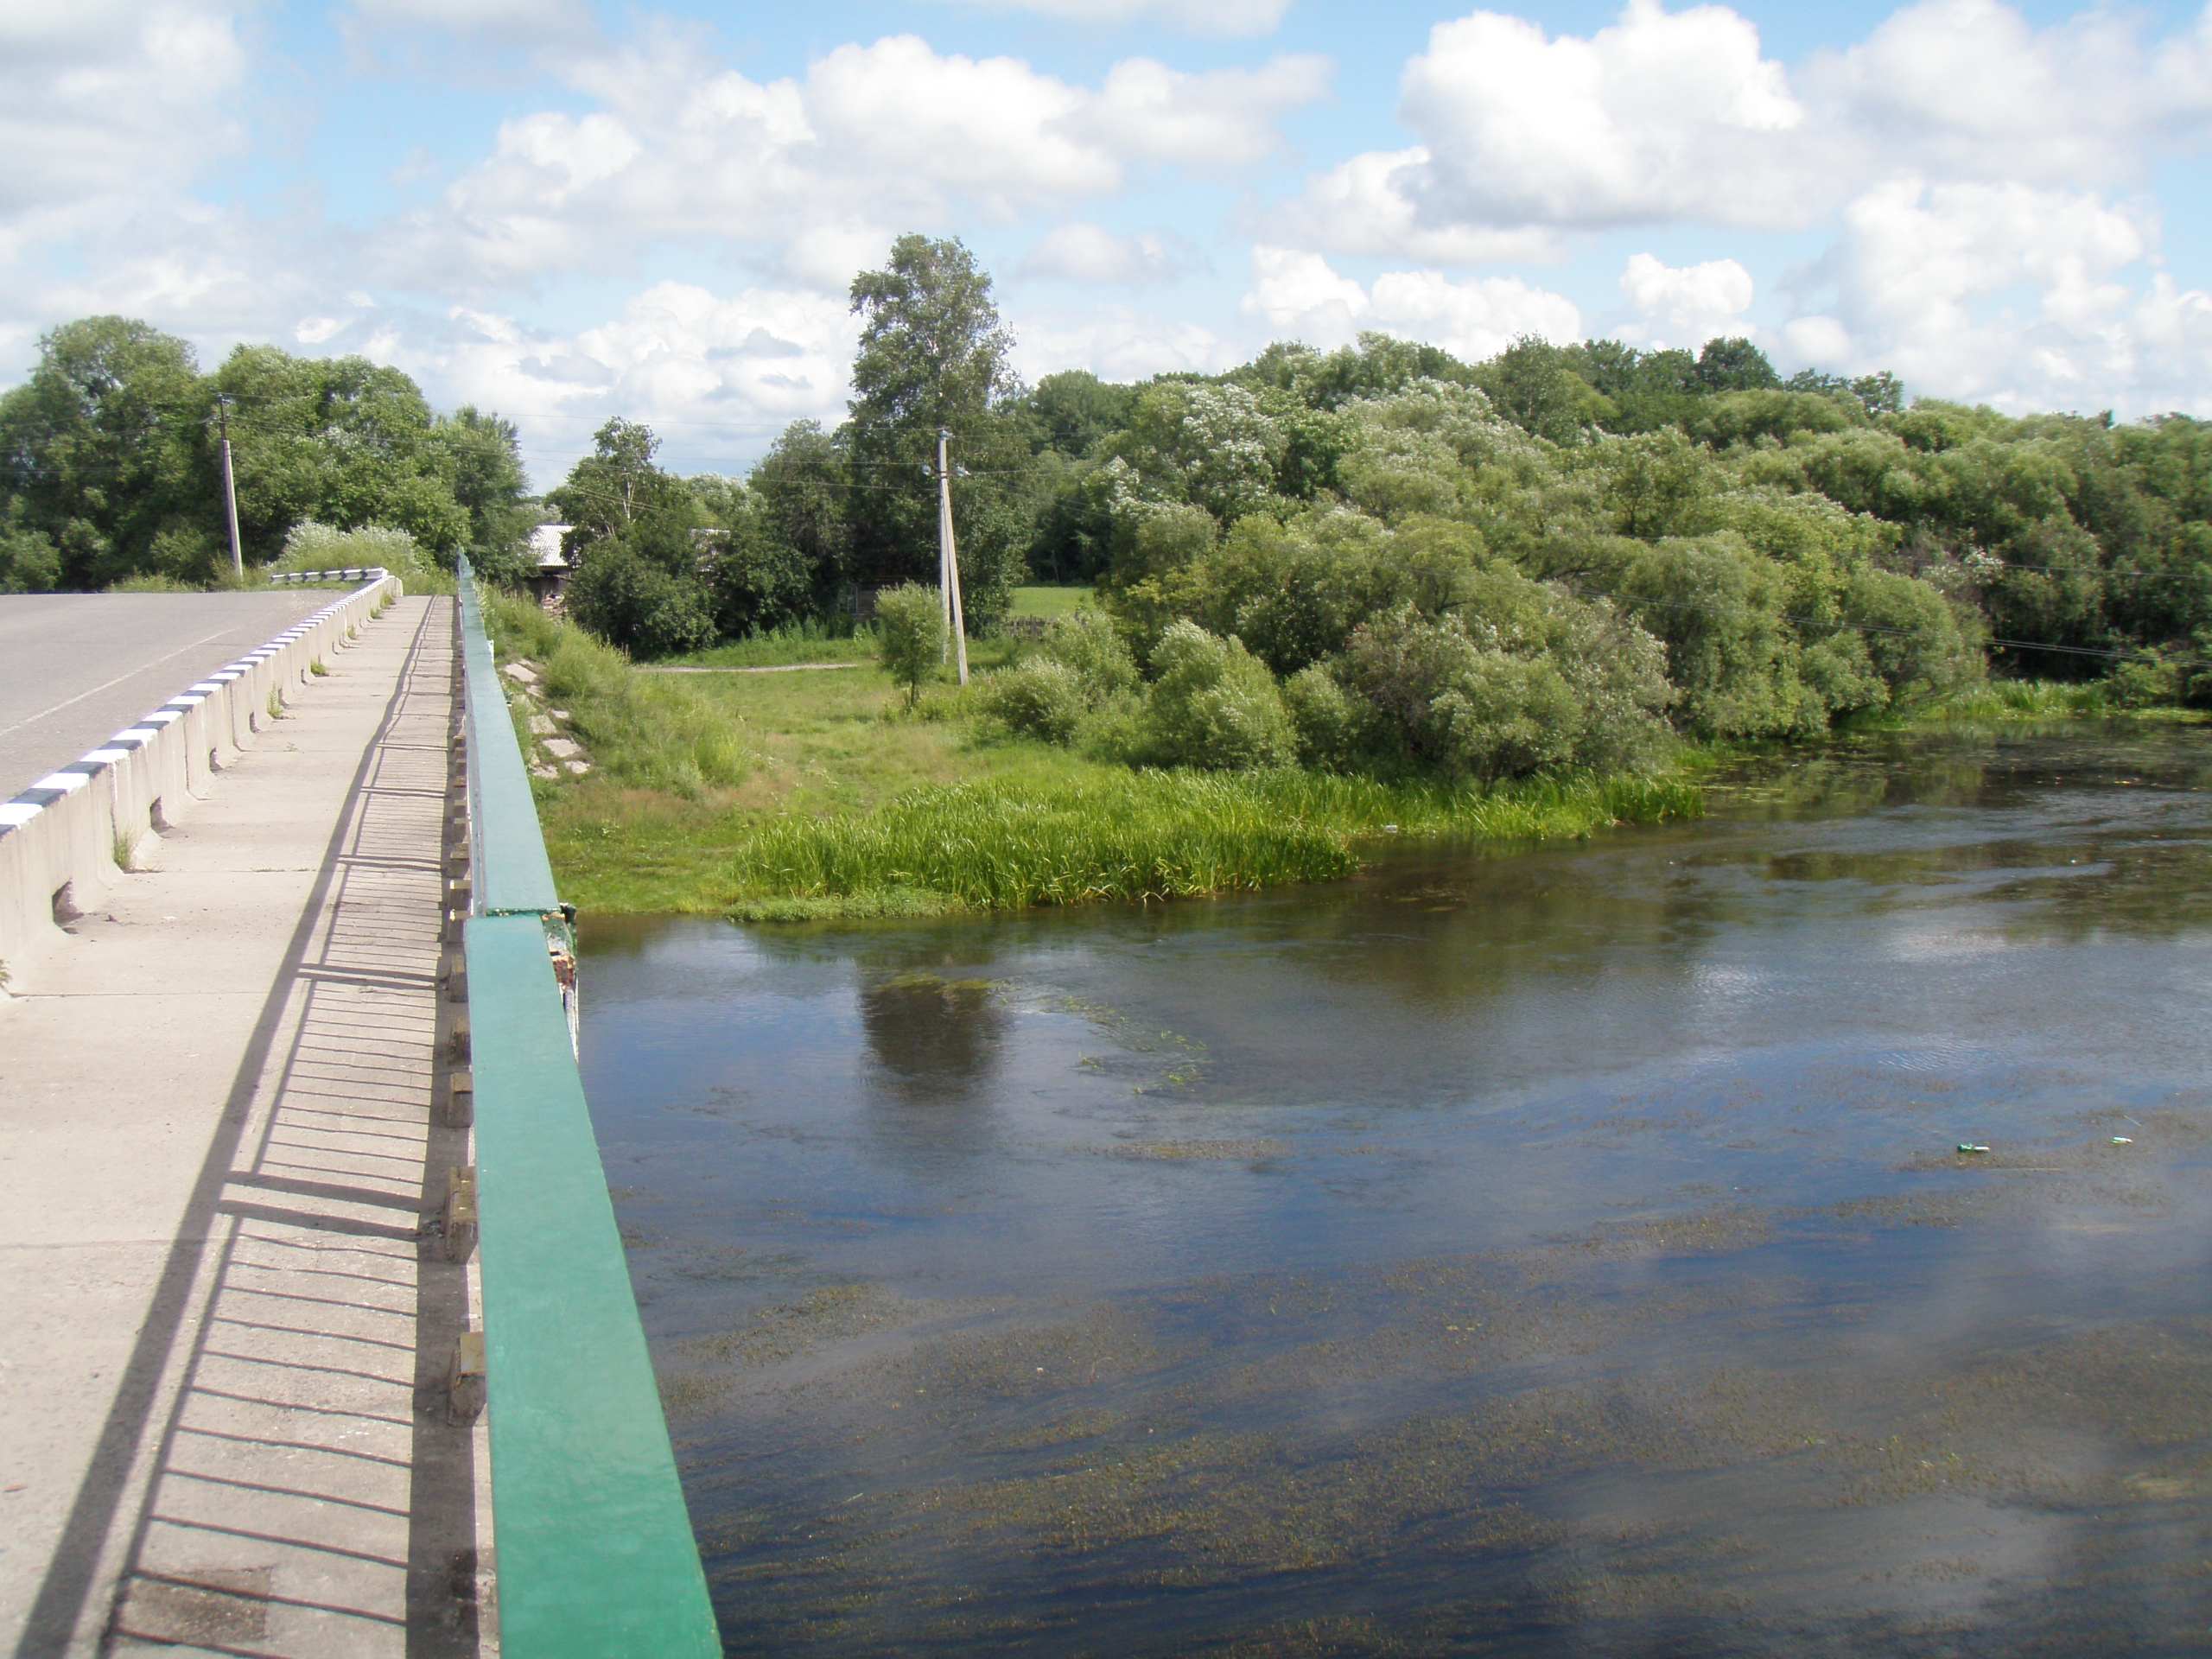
(1051, 602)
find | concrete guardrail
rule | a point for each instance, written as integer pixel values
(69, 836)
(594, 1554)
(294, 578)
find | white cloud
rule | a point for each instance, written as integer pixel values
(1092, 253)
(470, 17)
(1117, 343)
(1685, 305)
(1198, 16)
(2009, 294)
(1220, 120)
(112, 97)
(1969, 89)
(1678, 117)
(1298, 294)
(814, 175)
(1663, 115)
(1366, 206)
(715, 378)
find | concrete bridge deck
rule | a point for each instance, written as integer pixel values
(82, 665)
(222, 1423)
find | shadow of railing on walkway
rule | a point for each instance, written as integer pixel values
(308, 1497)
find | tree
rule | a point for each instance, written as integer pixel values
(342, 441)
(641, 544)
(618, 487)
(630, 600)
(932, 350)
(759, 582)
(933, 354)
(105, 458)
(1068, 412)
(798, 490)
(109, 458)
(1734, 365)
(910, 623)
(1534, 385)
(486, 457)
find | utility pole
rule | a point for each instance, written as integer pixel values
(230, 489)
(948, 558)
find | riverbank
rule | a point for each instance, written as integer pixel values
(808, 795)
(813, 795)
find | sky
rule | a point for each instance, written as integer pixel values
(565, 211)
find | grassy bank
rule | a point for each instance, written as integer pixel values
(651, 733)
(1142, 836)
(2000, 701)
(807, 793)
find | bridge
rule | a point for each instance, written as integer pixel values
(322, 1341)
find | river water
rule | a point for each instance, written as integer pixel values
(1562, 1250)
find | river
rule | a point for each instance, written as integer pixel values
(1553, 1251)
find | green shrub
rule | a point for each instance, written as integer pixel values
(910, 635)
(1039, 697)
(1085, 642)
(1214, 704)
(1505, 716)
(631, 601)
(311, 545)
(2146, 682)
(1325, 720)
(1438, 696)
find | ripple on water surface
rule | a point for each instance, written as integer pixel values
(1547, 1251)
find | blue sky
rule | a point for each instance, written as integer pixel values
(565, 211)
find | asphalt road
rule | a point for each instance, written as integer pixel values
(75, 669)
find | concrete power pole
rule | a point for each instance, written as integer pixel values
(948, 558)
(230, 491)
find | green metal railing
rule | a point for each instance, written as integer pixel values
(594, 1551)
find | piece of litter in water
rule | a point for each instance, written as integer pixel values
(2123, 1139)
(1969, 1146)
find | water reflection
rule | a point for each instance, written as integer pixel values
(1547, 1252)
(935, 1039)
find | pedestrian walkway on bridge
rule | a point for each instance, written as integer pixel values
(222, 1411)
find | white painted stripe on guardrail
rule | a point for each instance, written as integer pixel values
(14, 814)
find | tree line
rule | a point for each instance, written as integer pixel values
(1555, 557)
(110, 469)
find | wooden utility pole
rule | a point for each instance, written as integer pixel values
(230, 490)
(947, 557)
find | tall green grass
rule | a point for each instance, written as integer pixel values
(647, 731)
(1993, 700)
(1143, 835)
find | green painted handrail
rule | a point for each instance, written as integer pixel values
(507, 861)
(596, 1557)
